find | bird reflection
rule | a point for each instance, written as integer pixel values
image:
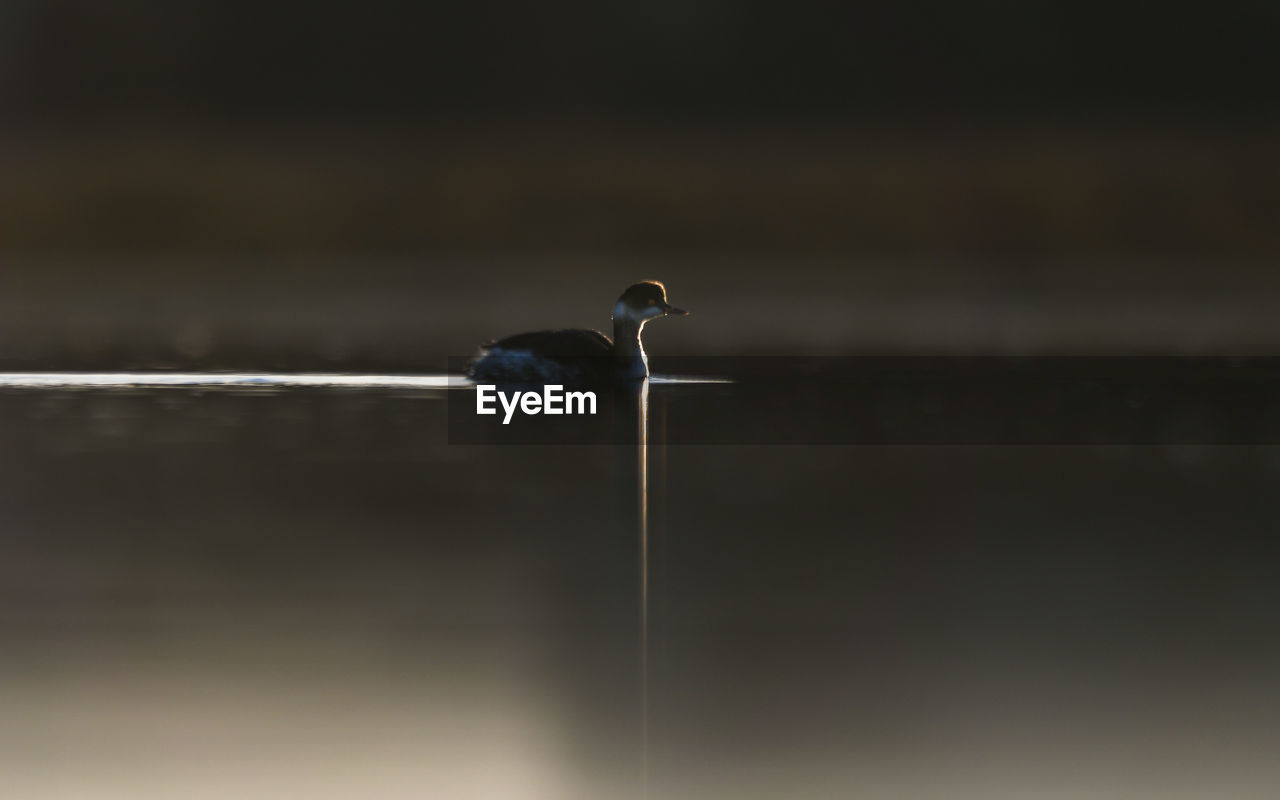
(633, 425)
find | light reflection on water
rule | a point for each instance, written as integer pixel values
(72, 380)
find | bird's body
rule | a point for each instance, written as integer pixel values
(578, 356)
(565, 356)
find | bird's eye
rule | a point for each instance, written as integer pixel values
(652, 301)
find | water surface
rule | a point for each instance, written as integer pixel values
(250, 591)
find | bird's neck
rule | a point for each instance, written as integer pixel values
(626, 344)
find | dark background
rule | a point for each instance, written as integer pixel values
(214, 184)
(384, 61)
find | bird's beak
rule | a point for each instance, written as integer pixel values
(672, 311)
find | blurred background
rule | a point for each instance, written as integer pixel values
(232, 184)
(273, 594)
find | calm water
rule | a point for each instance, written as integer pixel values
(265, 592)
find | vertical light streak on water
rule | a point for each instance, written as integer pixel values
(643, 475)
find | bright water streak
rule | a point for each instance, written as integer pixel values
(136, 379)
(73, 380)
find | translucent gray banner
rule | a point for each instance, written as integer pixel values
(898, 400)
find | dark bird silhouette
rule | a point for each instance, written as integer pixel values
(578, 356)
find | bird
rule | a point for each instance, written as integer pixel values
(579, 356)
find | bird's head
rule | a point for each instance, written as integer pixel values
(644, 301)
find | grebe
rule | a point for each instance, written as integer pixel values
(579, 356)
